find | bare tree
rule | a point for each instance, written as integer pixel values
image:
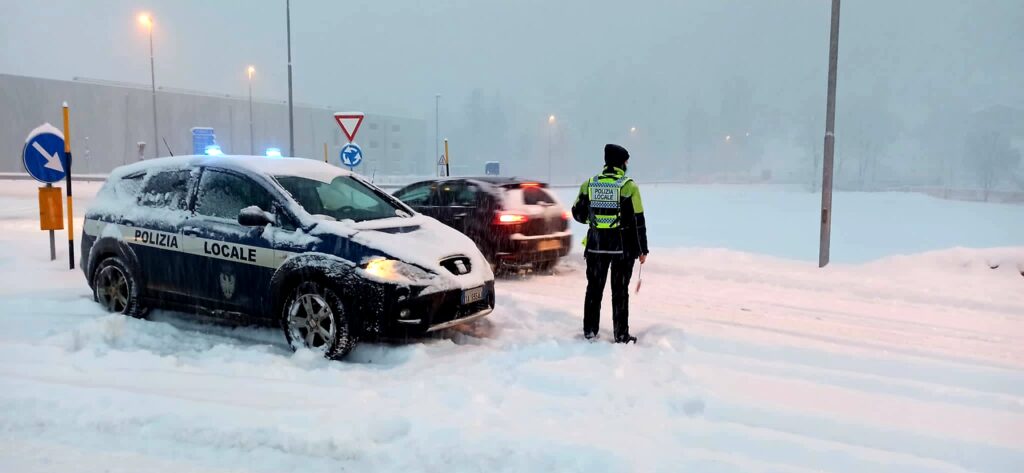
(992, 157)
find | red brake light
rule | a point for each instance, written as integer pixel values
(530, 184)
(510, 219)
(566, 215)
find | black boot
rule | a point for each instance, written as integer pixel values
(590, 335)
(627, 338)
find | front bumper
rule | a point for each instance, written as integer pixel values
(464, 320)
(408, 314)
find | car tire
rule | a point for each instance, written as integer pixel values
(546, 266)
(492, 261)
(314, 317)
(116, 288)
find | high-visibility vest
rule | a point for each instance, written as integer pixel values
(605, 193)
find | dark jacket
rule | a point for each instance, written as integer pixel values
(630, 238)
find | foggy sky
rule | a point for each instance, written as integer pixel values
(601, 67)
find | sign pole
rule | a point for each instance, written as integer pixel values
(830, 141)
(67, 182)
(447, 165)
(53, 242)
(325, 152)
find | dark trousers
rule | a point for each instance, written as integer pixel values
(597, 274)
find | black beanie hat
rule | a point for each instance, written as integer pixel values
(615, 155)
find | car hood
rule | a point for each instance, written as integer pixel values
(419, 240)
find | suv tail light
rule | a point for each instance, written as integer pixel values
(504, 218)
(566, 215)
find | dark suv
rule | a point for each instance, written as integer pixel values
(514, 222)
(291, 242)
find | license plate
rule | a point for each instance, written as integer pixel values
(549, 245)
(470, 296)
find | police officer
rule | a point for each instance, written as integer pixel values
(610, 204)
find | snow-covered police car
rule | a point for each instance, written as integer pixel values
(278, 241)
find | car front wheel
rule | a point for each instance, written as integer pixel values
(314, 318)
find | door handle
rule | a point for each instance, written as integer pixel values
(190, 231)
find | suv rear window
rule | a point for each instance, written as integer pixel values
(124, 189)
(166, 189)
(537, 196)
(417, 194)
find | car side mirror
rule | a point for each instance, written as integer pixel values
(254, 216)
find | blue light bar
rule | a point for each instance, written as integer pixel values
(273, 152)
(214, 150)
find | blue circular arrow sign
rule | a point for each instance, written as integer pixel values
(351, 155)
(44, 156)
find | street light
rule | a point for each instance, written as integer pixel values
(291, 111)
(551, 131)
(437, 126)
(146, 20)
(252, 141)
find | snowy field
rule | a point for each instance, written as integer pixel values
(896, 359)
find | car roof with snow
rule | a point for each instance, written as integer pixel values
(300, 167)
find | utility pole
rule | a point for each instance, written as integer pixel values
(291, 112)
(830, 141)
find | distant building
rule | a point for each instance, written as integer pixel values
(109, 119)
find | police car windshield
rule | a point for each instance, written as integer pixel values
(344, 198)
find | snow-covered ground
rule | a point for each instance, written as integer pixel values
(746, 362)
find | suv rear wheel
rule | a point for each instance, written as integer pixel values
(545, 266)
(116, 288)
(314, 318)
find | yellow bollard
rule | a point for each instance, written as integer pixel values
(67, 181)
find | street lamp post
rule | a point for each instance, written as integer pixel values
(252, 141)
(147, 21)
(437, 125)
(291, 112)
(551, 128)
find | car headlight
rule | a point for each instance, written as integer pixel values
(394, 270)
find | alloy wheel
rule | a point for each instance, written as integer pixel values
(311, 321)
(112, 289)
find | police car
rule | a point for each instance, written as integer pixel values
(292, 242)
